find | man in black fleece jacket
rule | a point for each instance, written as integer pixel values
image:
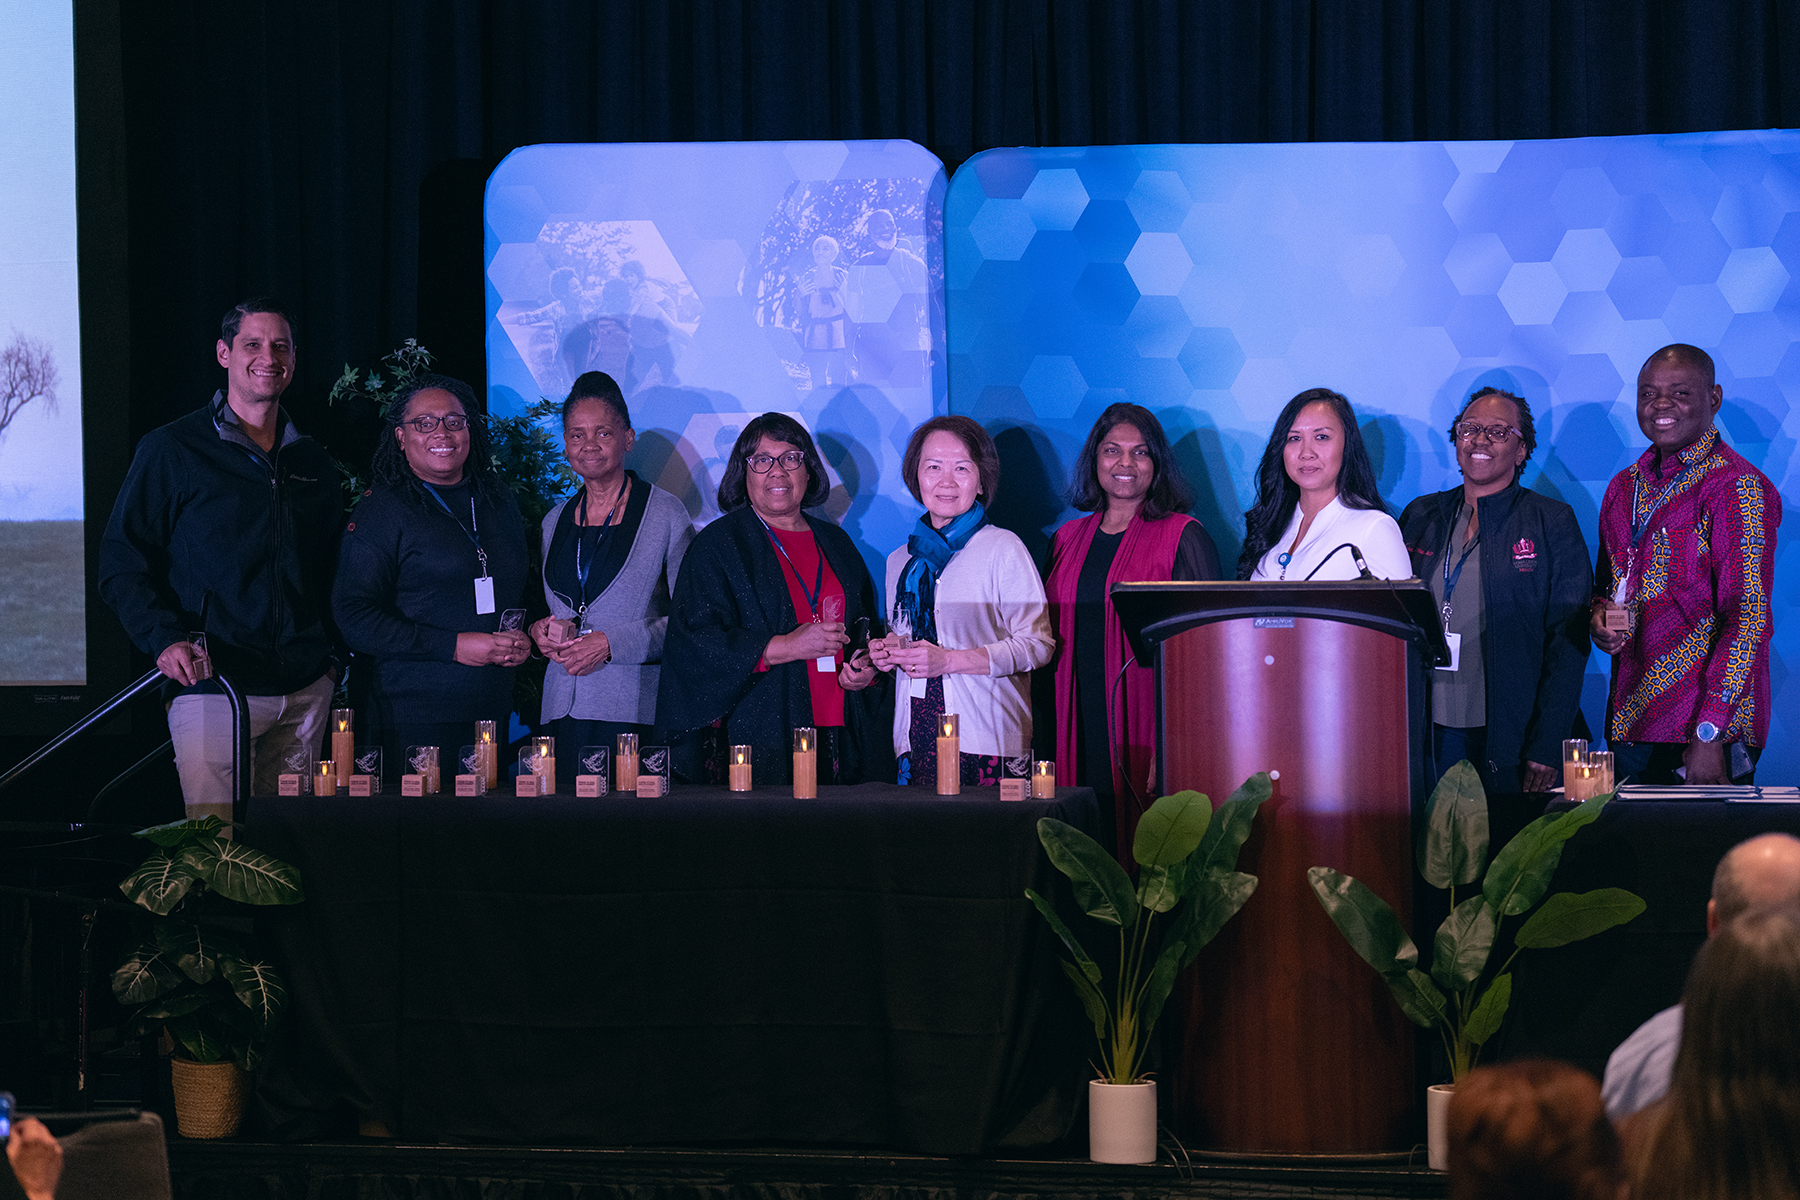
(227, 524)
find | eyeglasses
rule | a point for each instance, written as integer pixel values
(425, 424)
(1468, 431)
(793, 460)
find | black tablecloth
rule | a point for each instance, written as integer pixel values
(1579, 1002)
(857, 969)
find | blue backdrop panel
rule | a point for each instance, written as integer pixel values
(715, 282)
(1212, 283)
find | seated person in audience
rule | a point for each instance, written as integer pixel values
(1730, 1126)
(1757, 873)
(1509, 569)
(1532, 1130)
(34, 1159)
(1315, 492)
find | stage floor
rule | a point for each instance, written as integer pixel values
(366, 1170)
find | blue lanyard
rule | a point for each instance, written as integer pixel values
(1637, 484)
(1449, 578)
(582, 570)
(472, 531)
(812, 597)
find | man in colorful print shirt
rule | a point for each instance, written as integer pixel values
(1687, 560)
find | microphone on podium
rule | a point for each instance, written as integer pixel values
(1356, 555)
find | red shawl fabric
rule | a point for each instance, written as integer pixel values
(1146, 553)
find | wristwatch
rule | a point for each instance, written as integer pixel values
(1706, 731)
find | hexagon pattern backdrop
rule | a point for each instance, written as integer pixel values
(718, 281)
(1212, 283)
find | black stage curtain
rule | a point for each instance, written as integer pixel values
(334, 153)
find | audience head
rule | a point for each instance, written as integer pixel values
(1127, 456)
(1489, 408)
(1330, 457)
(773, 434)
(1730, 1125)
(1758, 873)
(1532, 1130)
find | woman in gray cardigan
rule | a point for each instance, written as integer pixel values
(611, 554)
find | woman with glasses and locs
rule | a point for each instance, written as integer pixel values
(1316, 497)
(1127, 479)
(1510, 573)
(612, 553)
(769, 624)
(432, 556)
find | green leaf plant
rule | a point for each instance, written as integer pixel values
(1463, 997)
(193, 973)
(1187, 854)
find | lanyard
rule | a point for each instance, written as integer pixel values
(472, 531)
(1449, 578)
(582, 571)
(1638, 525)
(812, 597)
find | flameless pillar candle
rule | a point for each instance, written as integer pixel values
(326, 780)
(343, 742)
(740, 768)
(1574, 751)
(1580, 782)
(625, 763)
(543, 764)
(487, 741)
(1043, 779)
(949, 756)
(1602, 763)
(806, 762)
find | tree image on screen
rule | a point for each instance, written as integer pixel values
(27, 375)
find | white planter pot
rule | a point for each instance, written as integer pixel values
(1121, 1122)
(1437, 1125)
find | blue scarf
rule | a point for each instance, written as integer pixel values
(916, 593)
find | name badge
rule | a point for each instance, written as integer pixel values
(827, 664)
(484, 594)
(1454, 641)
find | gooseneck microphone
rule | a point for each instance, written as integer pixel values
(1356, 556)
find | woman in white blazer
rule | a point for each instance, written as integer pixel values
(1317, 502)
(968, 619)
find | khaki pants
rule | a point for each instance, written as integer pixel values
(286, 734)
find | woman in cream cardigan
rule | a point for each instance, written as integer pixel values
(968, 620)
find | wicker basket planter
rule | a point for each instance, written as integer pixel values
(209, 1098)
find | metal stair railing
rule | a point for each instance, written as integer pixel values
(240, 740)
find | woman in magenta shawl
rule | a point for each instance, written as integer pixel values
(1137, 530)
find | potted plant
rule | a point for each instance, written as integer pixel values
(1187, 858)
(1465, 997)
(194, 974)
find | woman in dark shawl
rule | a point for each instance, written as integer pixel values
(750, 653)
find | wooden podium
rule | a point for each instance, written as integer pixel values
(1283, 1041)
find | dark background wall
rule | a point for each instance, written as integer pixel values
(334, 153)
